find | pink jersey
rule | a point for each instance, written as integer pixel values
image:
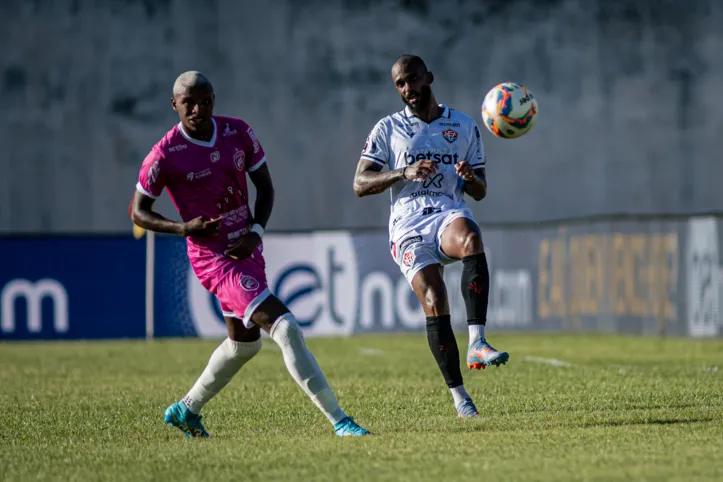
(206, 179)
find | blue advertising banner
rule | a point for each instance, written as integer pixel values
(72, 288)
(656, 277)
(335, 283)
(182, 307)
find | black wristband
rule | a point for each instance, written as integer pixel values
(404, 170)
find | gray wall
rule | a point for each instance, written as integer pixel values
(630, 112)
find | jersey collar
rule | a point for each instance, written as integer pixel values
(196, 141)
(446, 113)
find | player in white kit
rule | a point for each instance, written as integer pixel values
(434, 157)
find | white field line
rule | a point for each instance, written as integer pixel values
(370, 351)
(547, 361)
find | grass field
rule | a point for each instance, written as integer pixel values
(616, 409)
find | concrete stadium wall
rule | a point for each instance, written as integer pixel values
(630, 118)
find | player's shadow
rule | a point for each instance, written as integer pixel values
(630, 406)
(652, 421)
(473, 425)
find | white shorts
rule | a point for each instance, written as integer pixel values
(416, 241)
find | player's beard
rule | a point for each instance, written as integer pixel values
(422, 100)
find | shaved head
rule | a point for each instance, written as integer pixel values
(190, 80)
(410, 62)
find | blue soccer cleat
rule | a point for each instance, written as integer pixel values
(466, 409)
(186, 421)
(481, 355)
(347, 427)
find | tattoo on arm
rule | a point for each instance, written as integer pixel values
(369, 178)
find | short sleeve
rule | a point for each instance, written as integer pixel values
(152, 177)
(255, 155)
(376, 148)
(476, 152)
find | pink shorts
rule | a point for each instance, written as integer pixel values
(240, 285)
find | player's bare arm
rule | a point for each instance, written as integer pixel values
(265, 193)
(369, 178)
(475, 180)
(143, 216)
(247, 244)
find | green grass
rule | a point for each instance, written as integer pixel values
(625, 409)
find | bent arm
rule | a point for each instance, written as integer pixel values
(143, 216)
(370, 180)
(265, 194)
(477, 189)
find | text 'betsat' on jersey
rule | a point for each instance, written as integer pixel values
(401, 139)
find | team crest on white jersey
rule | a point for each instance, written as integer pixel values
(450, 135)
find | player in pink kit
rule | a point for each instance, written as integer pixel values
(203, 162)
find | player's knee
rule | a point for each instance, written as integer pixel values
(269, 312)
(435, 299)
(471, 243)
(237, 331)
(286, 331)
(242, 350)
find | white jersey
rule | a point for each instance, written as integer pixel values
(401, 139)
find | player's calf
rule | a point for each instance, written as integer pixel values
(224, 363)
(475, 292)
(305, 370)
(429, 287)
(443, 345)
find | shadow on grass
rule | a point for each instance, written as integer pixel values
(487, 425)
(653, 421)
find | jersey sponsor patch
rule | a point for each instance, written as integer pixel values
(438, 156)
(153, 173)
(254, 139)
(404, 244)
(446, 141)
(228, 131)
(179, 147)
(434, 181)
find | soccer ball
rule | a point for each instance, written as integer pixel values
(509, 110)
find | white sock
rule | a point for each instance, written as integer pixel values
(224, 363)
(476, 333)
(303, 366)
(459, 394)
